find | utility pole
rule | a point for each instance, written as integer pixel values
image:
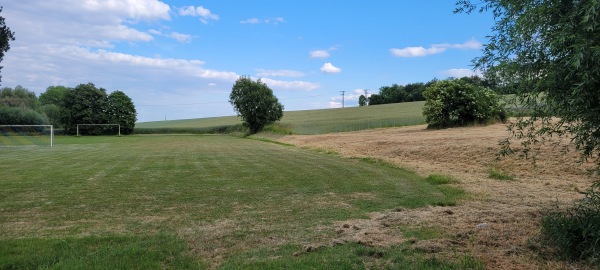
(342, 98)
(367, 96)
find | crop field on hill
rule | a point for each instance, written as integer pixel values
(210, 201)
(314, 121)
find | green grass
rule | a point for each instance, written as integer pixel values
(348, 256)
(305, 122)
(180, 201)
(499, 174)
(438, 179)
(92, 252)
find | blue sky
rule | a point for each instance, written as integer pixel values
(179, 59)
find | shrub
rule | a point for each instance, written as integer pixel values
(457, 103)
(575, 231)
(18, 116)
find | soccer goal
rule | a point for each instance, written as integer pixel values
(25, 134)
(99, 125)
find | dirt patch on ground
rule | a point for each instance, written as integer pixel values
(499, 223)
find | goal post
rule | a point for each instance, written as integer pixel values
(44, 126)
(98, 125)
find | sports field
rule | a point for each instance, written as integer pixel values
(206, 201)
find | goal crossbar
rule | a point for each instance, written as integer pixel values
(98, 125)
(51, 130)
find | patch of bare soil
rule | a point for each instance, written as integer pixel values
(498, 224)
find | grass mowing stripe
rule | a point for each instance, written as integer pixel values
(223, 195)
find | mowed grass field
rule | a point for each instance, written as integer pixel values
(202, 201)
(311, 121)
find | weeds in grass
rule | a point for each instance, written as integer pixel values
(575, 231)
(499, 174)
(349, 256)
(438, 179)
(279, 128)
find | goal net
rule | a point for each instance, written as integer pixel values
(106, 130)
(26, 135)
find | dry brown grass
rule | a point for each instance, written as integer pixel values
(498, 225)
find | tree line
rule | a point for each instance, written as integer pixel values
(414, 91)
(66, 107)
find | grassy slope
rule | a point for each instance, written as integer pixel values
(185, 201)
(319, 121)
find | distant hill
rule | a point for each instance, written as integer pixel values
(305, 122)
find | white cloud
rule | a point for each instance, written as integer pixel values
(471, 44)
(134, 9)
(155, 32)
(279, 73)
(335, 104)
(122, 32)
(199, 11)
(250, 21)
(290, 85)
(183, 38)
(212, 84)
(460, 72)
(275, 21)
(416, 51)
(319, 54)
(359, 92)
(99, 23)
(330, 68)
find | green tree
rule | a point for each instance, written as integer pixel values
(19, 97)
(550, 51)
(85, 104)
(53, 95)
(362, 101)
(122, 111)
(457, 103)
(255, 103)
(52, 102)
(5, 37)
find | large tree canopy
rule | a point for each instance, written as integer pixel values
(255, 103)
(5, 37)
(551, 51)
(85, 104)
(122, 111)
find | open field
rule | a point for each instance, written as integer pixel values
(315, 121)
(500, 223)
(212, 201)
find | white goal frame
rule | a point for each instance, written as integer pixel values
(98, 125)
(51, 130)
